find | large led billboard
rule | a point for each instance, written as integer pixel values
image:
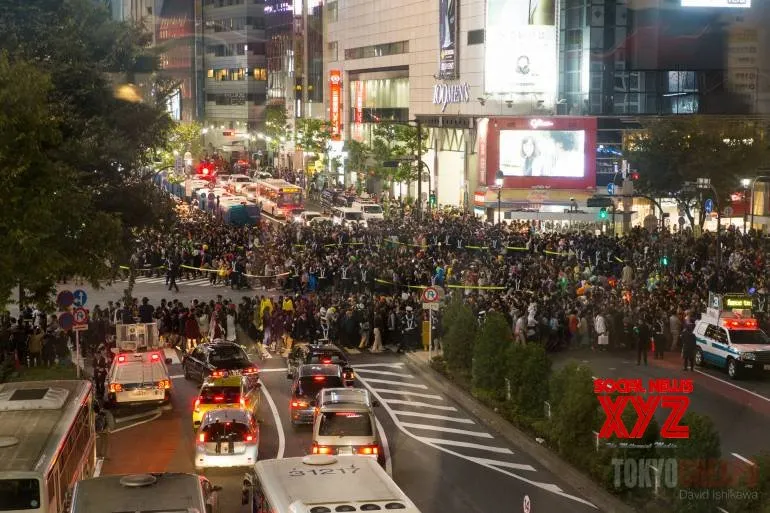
(448, 31)
(546, 153)
(741, 4)
(520, 50)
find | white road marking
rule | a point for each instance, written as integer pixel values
(352, 350)
(743, 459)
(550, 487)
(505, 464)
(145, 421)
(282, 369)
(397, 365)
(415, 394)
(459, 420)
(722, 510)
(469, 445)
(388, 382)
(177, 376)
(137, 416)
(385, 447)
(758, 396)
(98, 467)
(428, 427)
(416, 403)
(170, 352)
(278, 424)
(385, 373)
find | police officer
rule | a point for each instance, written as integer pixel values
(100, 371)
(659, 337)
(642, 332)
(688, 346)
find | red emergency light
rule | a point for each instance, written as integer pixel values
(741, 324)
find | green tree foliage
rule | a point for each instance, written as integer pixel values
(98, 145)
(313, 135)
(493, 342)
(276, 125)
(574, 412)
(358, 155)
(459, 328)
(182, 138)
(681, 149)
(529, 371)
(392, 141)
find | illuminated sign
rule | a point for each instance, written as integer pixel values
(444, 94)
(740, 4)
(539, 123)
(738, 302)
(359, 110)
(447, 42)
(335, 104)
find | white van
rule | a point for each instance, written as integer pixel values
(139, 378)
(370, 210)
(346, 216)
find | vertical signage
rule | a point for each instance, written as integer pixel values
(359, 110)
(335, 104)
(447, 44)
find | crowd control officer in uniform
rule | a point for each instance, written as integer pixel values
(689, 345)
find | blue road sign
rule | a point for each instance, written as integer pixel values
(611, 188)
(80, 297)
(64, 299)
(708, 205)
(66, 321)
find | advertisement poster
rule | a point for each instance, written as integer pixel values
(335, 104)
(546, 153)
(448, 33)
(522, 32)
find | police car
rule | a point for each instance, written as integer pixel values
(729, 337)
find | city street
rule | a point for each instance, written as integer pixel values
(432, 445)
(740, 409)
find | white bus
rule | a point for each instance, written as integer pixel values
(47, 443)
(279, 198)
(323, 484)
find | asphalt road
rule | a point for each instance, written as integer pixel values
(442, 456)
(740, 409)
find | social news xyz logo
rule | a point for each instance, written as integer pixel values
(666, 393)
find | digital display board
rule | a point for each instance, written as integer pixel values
(546, 153)
(735, 4)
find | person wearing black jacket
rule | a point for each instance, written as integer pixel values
(688, 347)
(643, 335)
(146, 311)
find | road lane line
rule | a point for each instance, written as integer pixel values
(429, 427)
(743, 459)
(385, 446)
(459, 420)
(415, 403)
(758, 396)
(278, 424)
(467, 445)
(550, 487)
(283, 369)
(389, 382)
(384, 373)
(98, 467)
(145, 421)
(415, 394)
(136, 416)
(177, 376)
(388, 365)
(505, 464)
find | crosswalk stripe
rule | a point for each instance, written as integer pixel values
(388, 382)
(385, 373)
(468, 445)
(422, 405)
(428, 427)
(396, 365)
(504, 464)
(433, 417)
(415, 394)
(352, 350)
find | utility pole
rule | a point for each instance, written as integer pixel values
(419, 169)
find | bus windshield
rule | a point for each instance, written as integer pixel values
(16, 494)
(289, 198)
(354, 216)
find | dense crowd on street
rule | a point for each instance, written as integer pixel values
(361, 286)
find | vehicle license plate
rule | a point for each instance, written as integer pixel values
(345, 450)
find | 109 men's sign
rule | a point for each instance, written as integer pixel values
(444, 94)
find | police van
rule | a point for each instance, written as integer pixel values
(729, 337)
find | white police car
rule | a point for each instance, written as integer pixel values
(732, 340)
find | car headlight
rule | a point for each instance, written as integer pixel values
(748, 356)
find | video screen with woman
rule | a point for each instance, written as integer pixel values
(553, 153)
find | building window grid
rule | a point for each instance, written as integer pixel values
(236, 74)
(381, 50)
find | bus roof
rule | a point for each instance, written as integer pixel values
(170, 492)
(277, 183)
(34, 417)
(331, 481)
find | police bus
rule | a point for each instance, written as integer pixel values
(323, 484)
(47, 443)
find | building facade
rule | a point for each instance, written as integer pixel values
(538, 92)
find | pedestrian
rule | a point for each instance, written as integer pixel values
(660, 338)
(689, 345)
(643, 335)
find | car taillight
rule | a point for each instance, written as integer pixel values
(219, 398)
(164, 384)
(326, 360)
(197, 403)
(299, 404)
(155, 357)
(116, 387)
(320, 449)
(242, 402)
(202, 438)
(218, 374)
(319, 378)
(249, 371)
(368, 450)
(248, 438)
(121, 359)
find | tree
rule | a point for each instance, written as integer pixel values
(358, 157)
(313, 135)
(392, 141)
(99, 146)
(574, 412)
(459, 328)
(276, 125)
(492, 344)
(670, 152)
(528, 374)
(182, 138)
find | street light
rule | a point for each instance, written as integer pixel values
(499, 177)
(746, 183)
(705, 184)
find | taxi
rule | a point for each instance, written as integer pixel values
(728, 337)
(226, 392)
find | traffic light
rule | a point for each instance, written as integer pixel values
(664, 261)
(603, 213)
(634, 176)
(432, 199)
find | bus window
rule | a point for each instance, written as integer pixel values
(289, 198)
(19, 494)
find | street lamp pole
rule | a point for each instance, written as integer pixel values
(419, 173)
(745, 183)
(705, 183)
(499, 177)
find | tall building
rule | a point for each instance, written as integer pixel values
(537, 93)
(175, 35)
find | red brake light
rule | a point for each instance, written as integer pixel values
(319, 378)
(155, 356)
(121, 359)
(164, 384)
(219, 398)
(370, 450)
(326, 360)
(242, 402)
(205, 171)
(197, 403)
(116, 387)
(249, 438)
(320, 449)
(299, 404)
(250, 370)
(202, 438)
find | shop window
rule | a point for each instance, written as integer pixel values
(210, 73)
(331, 50)
(332, 11)
(365, 52)
(260, 74)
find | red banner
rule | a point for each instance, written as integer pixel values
(335, 103)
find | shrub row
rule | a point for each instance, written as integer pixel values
(562, 409)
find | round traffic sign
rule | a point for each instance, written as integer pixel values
(430, 295)
(64, 299)
(81, 298)
(708, 205)
(527, 504)
(728, 211)
(66, 321)
(80, 316)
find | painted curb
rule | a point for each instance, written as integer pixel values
(581, 483)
